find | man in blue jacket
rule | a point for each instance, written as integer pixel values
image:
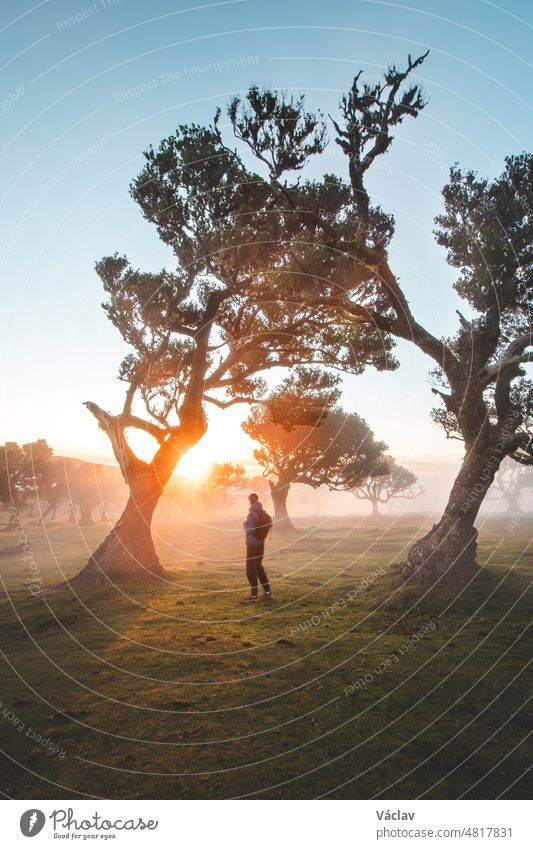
(255, 549)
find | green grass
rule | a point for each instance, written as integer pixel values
(179, 692)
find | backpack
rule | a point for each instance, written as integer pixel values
(264, 525)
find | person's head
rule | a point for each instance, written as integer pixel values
(253, 498)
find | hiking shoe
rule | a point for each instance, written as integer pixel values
(266, 597)
(250, 599)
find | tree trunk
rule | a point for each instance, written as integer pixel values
(376, 513)
(86, 515)
(450, 546)
(512, 497)
(279, 493)
(13, 519)
(127, 552)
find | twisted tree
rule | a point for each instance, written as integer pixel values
(338, 452)
(387, 480)
(335, 255)
(206, 332)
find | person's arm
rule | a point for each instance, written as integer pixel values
(251, 521)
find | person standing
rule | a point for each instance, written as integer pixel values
(256, 525)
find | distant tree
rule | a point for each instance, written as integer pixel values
(23, 470)
(221, 480)
(11, 477)
(387, 480)
(53, 494)
(338, 452)
(509, 485)
(337, 256)
(79, 484)
(206, 332)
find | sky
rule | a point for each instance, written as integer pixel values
(87, 87)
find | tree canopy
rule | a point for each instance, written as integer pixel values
(205, 332)
(338, 452)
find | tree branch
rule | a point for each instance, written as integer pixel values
(125, 457)
(446, 399)
(237, 400)
(132, 388)
(513, 356)
(154, 430)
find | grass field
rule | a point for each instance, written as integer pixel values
(352, 684)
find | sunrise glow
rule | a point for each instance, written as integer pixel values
(266, 456)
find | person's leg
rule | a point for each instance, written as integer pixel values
(251, 573)
(261, 575)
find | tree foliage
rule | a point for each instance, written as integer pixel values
(23, 470)
(338, 452)
(487, 230)
(206, 332)
(224, 477)
(337, 254)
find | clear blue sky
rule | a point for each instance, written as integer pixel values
(87, 86)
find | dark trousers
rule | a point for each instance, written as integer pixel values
(254, 567)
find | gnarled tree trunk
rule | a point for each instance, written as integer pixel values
(279, 492)
(128, 550)
(450, 546)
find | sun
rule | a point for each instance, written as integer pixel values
(193, 465)
(196, 462)
(225, 441)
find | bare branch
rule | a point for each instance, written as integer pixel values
(125, 457)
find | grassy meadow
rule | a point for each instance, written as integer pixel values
(353, 683)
